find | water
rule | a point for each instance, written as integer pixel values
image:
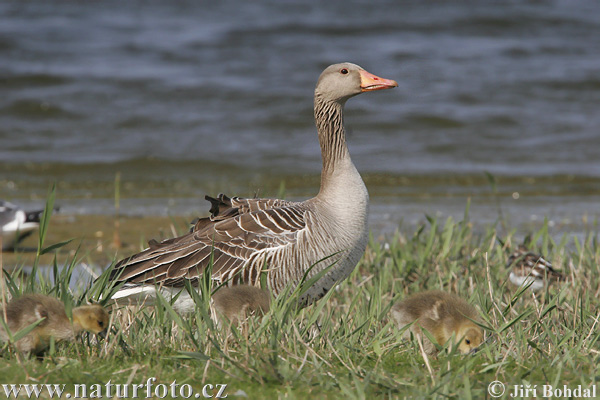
(186, 99)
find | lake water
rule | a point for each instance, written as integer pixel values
(193, 98)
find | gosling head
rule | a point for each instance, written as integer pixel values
(92, 318)
(470, 336)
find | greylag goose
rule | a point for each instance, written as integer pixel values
(444, 315)
(25, 310)
(527, 268)
(16, 224)
(236, 303)
(283, 239)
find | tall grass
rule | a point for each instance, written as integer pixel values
(346, 346)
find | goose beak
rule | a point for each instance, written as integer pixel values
(370, 82)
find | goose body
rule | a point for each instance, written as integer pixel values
(28, 309)
(528, 268)
(444, 315)
(16, 224)
(283, 238)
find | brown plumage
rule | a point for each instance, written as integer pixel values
(236, 303)
(283, 239)
(25, 310)
(237, 228)
(442, 314)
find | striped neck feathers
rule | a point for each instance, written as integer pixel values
(332, 138)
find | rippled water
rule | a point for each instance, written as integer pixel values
(187, 98)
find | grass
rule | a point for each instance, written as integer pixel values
(357, 353)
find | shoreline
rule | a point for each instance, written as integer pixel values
(96, 239)
(99, 239)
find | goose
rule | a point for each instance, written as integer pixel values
(16, 224)
(528, 268)
(25, 310)
(445, 315)
(236, 303)
(286, 240)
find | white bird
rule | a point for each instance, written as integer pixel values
(245, 238)
(16, 224)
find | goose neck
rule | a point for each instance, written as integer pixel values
(332, 138)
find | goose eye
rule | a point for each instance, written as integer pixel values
(343, 71)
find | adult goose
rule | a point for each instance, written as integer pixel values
(284, 239)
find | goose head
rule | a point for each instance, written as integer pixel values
(92, 318)
(339, 82)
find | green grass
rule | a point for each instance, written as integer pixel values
(552, 338)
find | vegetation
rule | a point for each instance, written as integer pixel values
(345, 346)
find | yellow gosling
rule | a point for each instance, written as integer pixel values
(234, 304)
(27, 309)
(92, 318)
(444, 315)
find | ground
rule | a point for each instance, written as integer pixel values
(345, 346)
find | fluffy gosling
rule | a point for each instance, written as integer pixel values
(527, 268)
(234, 304)
(26, 310)
(442, 314)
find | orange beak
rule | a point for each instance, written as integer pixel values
(370, 82)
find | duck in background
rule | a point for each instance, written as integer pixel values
(28, 309)
(528, 268)
(444, 315)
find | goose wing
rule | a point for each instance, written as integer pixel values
(236, 230)
(224, 207)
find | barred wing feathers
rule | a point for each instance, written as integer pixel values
(237, 230)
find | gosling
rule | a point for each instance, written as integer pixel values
(234, 304)
(444, 315)
(26, 310)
